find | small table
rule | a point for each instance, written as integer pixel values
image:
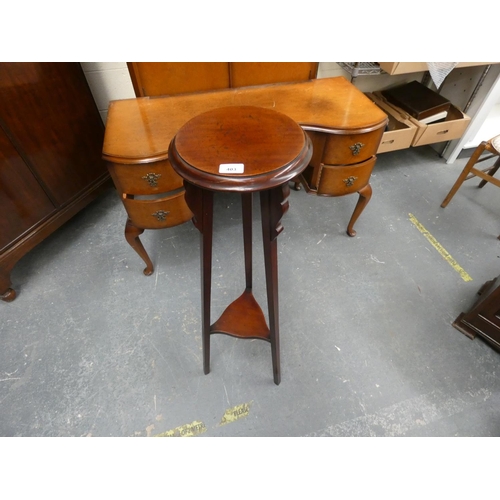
(242, 149)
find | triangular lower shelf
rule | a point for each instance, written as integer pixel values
(243, 318)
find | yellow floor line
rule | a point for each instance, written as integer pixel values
(188, 430)
(235, 413)
(453, 263)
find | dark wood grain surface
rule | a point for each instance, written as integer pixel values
(51, 162)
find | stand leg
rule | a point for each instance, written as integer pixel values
(246, 205)
(273, 205)
(364, 197)
(206, 273)
(132, 234)
(201, 204)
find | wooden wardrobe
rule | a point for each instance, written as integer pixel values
(51, 137)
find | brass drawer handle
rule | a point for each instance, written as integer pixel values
(349, 181)
(356, 148)
(152, 179)
(161, 215)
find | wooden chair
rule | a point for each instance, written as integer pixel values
(493, 147)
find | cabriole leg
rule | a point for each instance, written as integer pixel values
(132, 234)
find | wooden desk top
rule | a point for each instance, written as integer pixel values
(140, 130)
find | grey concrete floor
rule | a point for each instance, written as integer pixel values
(92, 347)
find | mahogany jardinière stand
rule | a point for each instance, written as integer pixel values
(244, 149)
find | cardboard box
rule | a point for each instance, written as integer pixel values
(400, 130)
(453, 127)
(401, 68)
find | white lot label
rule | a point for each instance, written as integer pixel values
(231, 168)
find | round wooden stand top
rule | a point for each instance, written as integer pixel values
(240, 148)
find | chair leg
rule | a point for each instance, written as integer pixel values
(465, 172)
(132, 234)
(491, 172)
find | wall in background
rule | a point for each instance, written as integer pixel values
(108, 81)
(490, 128)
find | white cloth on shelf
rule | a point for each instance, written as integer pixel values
(439, 71)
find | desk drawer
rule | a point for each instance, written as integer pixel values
(338, 180)
(158, 213)
(351, 148)
(147, 178)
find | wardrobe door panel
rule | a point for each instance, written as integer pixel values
(50, 116)
(22, 201)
